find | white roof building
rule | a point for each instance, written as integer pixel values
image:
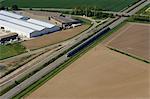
(21, 23)
(13, 15)
(25, 28)
(22, 31)
(41, 23)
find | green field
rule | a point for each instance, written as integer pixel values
(114, 5)
(1, 0)
(11, 50)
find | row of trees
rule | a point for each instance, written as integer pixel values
(141, 18)
(13, 7)
(90, 12)
(87, 11)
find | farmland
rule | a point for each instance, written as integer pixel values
(1, 0)
(133, 38)
(100, 73)
(114, 5)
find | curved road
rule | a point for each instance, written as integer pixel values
(29, 67)
(60, 60)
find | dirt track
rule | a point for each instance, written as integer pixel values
(54, 37)
(99, 74)
(133, 38)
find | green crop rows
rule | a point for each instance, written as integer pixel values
(114, 5)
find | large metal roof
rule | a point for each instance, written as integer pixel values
(14, 15)
(30, 23)
(41, 23)
(22, 23)
(15, 26)
(15, 23)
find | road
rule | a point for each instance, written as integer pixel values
(15, 75)
(27, 68)
(10, 79)
(60, 60)
(34, 78)
(51, 46)
(135, 7)
(34, 51)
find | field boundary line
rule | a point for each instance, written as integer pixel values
(61, 67)
(129, 54)
(116, 36)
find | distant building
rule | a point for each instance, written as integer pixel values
(64, 21)
(25, 27)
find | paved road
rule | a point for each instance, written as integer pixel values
(117, 13)
(133, 8)
(29, 67)
(34, 51)
(39, 74)
(60, 60)
(34, 78)
(140, 6)
(12, 77)
(51, 46)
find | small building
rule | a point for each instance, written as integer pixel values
(8, 37)
(64, 21)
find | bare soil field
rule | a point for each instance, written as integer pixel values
(39, 15)
(53, 38)
(99, 74)
(133, 38)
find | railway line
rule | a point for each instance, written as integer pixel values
(108, 26)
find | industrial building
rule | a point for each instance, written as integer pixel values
(24, 26)
(64, 21)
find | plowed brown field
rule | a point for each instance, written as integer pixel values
(99, 74)
(133, 38)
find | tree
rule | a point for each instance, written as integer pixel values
(1, 6)
(30, 9)
(14, 7)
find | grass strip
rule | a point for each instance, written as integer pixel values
(9, 50)
(128, 54)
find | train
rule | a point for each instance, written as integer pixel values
(88, 42)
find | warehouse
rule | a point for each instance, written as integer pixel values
(13, 15)
(20, 30)
(64, 21)
(49, 27)
(24, 26)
